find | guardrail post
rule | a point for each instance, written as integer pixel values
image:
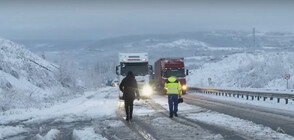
(237, 95)
(264, 98)
(242, 96)
(258, 98)
(247, 97)
(252, 97)
(271, 98)
(230, 94)
(286, 101)
(278, 100)
(226, 94)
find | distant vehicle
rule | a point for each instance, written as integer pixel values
(138, 64)
(115, 82)
(166, 67)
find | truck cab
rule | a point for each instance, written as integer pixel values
(138, 64)
(167, 67)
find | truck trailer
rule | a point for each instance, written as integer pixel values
(166, 67)
(138, 64)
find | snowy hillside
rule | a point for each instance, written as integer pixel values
(246, 70)
(25, 79)
(101, 56)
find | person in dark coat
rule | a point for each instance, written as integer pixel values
(129, 87)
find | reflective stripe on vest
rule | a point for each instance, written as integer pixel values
(173, 88)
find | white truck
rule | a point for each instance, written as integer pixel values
(138, 64)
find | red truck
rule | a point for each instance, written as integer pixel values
(166, 67)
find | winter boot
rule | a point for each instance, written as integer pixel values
(176, 114)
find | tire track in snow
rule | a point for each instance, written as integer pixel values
(227, 134)
(148, 120)
(134, 125)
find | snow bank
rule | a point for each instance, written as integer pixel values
(95, 104)
(6, 131)
(87, 134)
(53, 134)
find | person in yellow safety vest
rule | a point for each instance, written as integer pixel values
(174, 91)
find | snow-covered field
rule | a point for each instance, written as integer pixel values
(264, 70)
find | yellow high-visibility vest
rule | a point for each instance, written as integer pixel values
(173, 86)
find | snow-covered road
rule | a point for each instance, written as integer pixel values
(99, 115)
(78, 114)
(218, 121)
(265, 113)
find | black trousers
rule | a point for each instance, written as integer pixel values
(129, 108)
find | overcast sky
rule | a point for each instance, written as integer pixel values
(89, 19)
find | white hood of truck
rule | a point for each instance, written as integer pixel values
(142, 79)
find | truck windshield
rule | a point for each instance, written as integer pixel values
(174, 72)
(139, 69)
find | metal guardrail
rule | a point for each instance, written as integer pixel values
(246, 94)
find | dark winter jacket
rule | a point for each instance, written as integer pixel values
(129, 87)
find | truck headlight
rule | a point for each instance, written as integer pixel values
(147, 90)
(184, 87)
